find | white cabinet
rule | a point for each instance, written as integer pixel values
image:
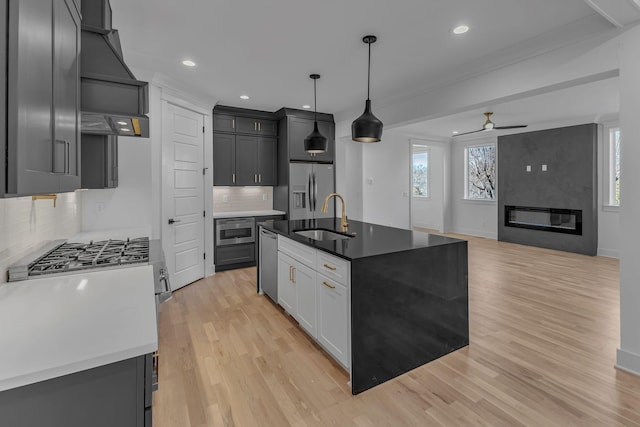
(333, 317)
(286, 287)
(297, 291)
(314, 287)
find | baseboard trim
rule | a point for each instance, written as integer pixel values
(628, 362)
(477, 233)
(611, 253)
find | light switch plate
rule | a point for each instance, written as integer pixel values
(225, 198)
(528, 168)
(544, 168)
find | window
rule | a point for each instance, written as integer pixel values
(612, 150)
(480, 172)
(420, 171)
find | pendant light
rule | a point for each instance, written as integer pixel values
(315, 143)
(367, 127)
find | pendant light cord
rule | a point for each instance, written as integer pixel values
(315, 102)
(369, 71)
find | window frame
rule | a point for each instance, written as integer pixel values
(609, 173)
(466, 195)
(420, 149)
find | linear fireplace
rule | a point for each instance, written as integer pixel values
(568, 221)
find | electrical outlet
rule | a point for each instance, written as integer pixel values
(544, 168)
(225, 198)
(528, 168)
(264, 196)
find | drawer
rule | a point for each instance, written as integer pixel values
(235, 254)
(333, 267)
(301, 253)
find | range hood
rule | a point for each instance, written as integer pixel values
(113, 102)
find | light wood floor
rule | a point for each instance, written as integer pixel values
(544, 330)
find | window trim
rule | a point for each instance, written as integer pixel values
(466, 173)
(421, 149)
(609, 158)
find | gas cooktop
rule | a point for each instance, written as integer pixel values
(69, 257)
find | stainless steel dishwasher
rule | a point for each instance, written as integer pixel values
(268, 263)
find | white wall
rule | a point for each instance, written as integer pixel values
(386, 169)
(628, 356)
(129, 205)
(429, 212)
(349, 173)
(26, 225)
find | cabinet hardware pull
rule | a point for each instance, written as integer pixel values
(233, 123)
(328, 285)
(259, 127)
(233, 176)
(294, 275)
(329, 267)
(259, 177)
(255, 125)
(291, 273)
(255, 178)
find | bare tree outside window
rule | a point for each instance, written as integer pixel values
(421, 174)
(481, 172)
(616, 137)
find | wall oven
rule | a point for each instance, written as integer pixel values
(235, 231)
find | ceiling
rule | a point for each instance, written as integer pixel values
(267, 49)
(591, 102)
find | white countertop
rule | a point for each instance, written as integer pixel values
(238, 214)
(59, 325)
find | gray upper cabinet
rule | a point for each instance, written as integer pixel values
(299, 129)
(244, 147)
(43, 99)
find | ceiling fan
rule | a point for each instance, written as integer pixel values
(489, 125)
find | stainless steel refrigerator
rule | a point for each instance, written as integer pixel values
(309, 185)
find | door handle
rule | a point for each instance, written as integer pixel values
(172, 221)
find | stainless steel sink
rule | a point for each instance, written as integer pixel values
(320, 234)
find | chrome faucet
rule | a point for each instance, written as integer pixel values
(344, 222)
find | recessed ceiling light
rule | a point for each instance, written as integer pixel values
(121, 123)
(125, 129)
(188, 63)
(244, 96)
(461, 29)
(454, 132)
(306, 106)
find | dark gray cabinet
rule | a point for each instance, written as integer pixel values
(99, 161)
(43, 98)
(224, 159)
(118, 394)
(244, 147)
(293, 127)
(299, 129)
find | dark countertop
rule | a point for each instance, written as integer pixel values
(369, 240)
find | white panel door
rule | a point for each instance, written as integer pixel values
(183, 194)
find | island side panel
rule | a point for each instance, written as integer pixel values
(407, 309)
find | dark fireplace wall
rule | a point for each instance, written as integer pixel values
(569, 182)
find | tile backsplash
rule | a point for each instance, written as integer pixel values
(229, 199)
(26, 225)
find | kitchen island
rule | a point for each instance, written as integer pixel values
(407, 294)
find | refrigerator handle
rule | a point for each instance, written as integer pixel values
(315, 192)
(309, 194)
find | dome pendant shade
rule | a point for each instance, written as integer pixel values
(367, 127)
(315, 143)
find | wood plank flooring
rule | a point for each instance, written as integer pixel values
(544, 327)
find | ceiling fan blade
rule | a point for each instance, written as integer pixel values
(511, 127)
(467, 133)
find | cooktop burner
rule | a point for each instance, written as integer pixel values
(80, 256)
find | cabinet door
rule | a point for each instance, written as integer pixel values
(267, 127)
(246, 160)
(224, 159)
(247, 125)
(327, 130)
(66, 93)
(299, 129)
(333, 318)
(286, 286)
(304, 279)
(267, 161)
(224, 123)
(30, 148)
